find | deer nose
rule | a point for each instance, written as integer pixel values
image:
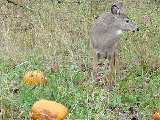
(137, 29)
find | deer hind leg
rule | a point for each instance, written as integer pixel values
(95, 61)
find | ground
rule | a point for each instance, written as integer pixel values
(53, 36)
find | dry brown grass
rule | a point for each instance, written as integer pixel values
(59, 32)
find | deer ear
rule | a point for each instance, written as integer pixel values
(115, 9)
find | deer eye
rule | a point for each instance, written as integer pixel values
(127, 21)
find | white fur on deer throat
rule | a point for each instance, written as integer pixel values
(118, 32)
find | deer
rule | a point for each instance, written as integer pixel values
(105, 36)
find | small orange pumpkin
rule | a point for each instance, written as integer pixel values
(33, 78)
(156, 116)
(48, 110)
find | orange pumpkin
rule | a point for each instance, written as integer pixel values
(48, 110)
(33, 78)
(156, 116)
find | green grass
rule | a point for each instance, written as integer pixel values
(43, 32)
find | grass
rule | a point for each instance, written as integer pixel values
(36, 34)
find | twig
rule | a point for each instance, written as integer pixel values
(12, 2)
(21, 6)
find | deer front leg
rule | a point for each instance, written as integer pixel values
(112, 71)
